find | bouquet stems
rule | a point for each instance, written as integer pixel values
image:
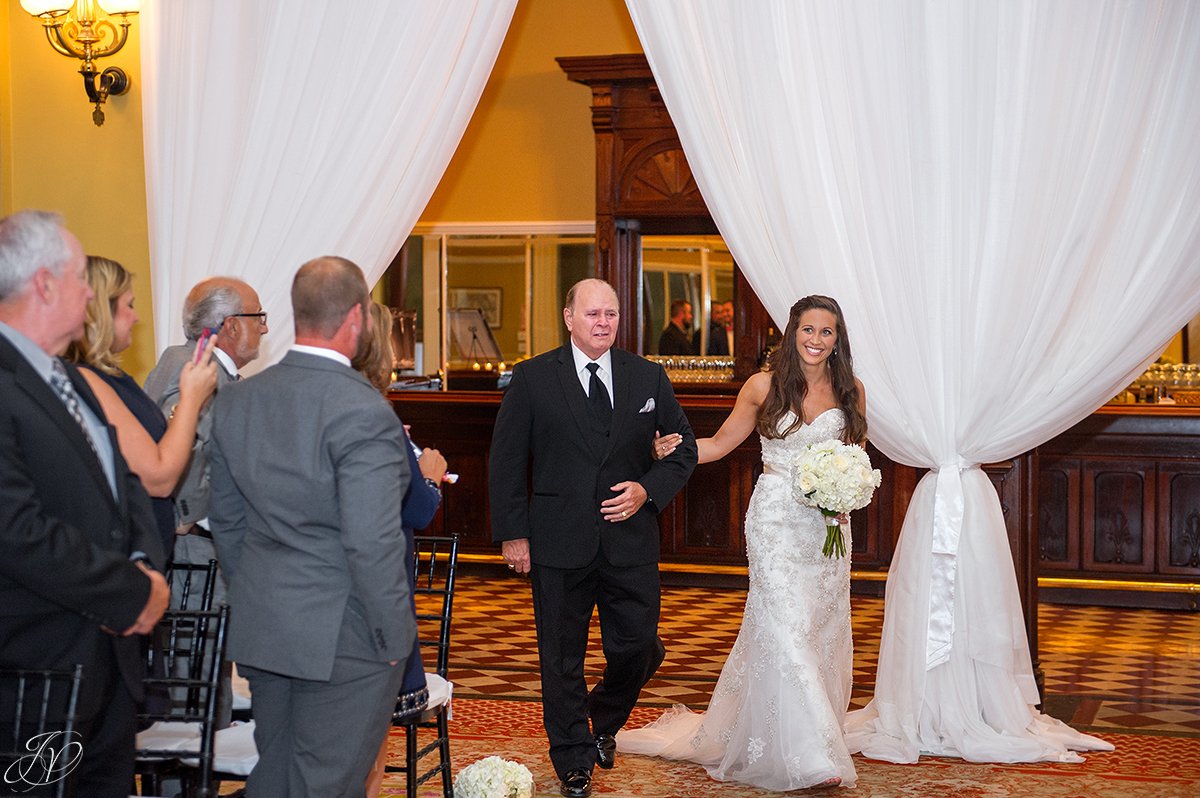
(835, 542)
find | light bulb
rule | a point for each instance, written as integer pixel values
(53, 8)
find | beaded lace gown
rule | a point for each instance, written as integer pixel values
(775, 717)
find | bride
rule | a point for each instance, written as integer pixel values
(775, 718)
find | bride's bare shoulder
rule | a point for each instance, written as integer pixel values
(756, 386)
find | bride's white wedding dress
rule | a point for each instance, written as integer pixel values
(775, 718)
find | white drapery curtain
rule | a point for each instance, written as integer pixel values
(276, 132)
(1005, 200)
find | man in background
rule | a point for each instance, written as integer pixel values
(718, 344)
(78, 545)
(231, 308)
(308, 463)
(675, 338)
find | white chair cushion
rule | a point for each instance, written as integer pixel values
(166, 735)
(440, 691)
(234, 749)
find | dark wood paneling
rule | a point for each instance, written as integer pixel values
(1058, 512)
(1118, 511)
(1179, 527)
(1132, 499)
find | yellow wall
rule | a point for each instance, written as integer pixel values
(528, 153)
(54, 158)
(5, 113)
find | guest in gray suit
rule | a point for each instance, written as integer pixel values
(308, 464)
(232, 307)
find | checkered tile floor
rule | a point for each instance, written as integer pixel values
(1135, 671)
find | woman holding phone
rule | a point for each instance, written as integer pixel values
(157, 451)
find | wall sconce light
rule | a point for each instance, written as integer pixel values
(83, 29)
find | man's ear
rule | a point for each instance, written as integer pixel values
(353, 321)
(45, 285)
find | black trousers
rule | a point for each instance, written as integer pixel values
(564, 599)
(99, 761)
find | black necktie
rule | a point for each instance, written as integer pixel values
(598, 400)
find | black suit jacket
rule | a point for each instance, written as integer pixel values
(543, 423)
(718, 342)
(65, 540)
(675, 341)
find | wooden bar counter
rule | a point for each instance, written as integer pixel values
(1119, 508)
(1113, 503)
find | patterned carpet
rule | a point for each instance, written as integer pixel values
(1129, 676)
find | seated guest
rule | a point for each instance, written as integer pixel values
(78, 544)
(156, 451)
(675, 339)
(417, 509)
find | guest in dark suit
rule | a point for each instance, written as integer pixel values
(306, 463)
(78, 542)
(156, 452)
(718, 342)
(675, 339)
(589, 535)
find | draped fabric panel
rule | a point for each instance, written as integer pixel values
(1005, 200)
(276, 132)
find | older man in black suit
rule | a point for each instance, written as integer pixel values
(78, 541)
(584, 416)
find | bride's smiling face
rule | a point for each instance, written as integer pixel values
(816, 336)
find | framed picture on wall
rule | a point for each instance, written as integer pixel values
(486, 300)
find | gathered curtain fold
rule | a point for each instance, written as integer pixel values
(1005, 200)
(276, 132)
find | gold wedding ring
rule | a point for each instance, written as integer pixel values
(624, 514)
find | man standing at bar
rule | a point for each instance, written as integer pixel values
(584, 416)
(78, 540)
(307, 467)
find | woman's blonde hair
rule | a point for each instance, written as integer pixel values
(109, 281)
(375, 358)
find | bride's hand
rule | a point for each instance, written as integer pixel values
(843, 519)
(665, 444)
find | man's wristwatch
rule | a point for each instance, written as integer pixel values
(433, 483)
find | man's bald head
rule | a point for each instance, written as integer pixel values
(323, 292)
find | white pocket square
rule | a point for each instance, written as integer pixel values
(648, 407)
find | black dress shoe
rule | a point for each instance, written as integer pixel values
(576, 784)
(606, 750)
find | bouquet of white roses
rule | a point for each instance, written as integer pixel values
(494, 777)
(835, 478)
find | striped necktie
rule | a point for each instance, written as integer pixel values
(62, 386)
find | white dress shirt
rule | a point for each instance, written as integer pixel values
(585, 376)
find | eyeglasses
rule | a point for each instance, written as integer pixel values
(261, 316)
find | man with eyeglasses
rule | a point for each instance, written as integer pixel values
(230, 308)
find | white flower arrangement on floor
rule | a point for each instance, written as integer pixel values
(493, 777)
(835, 478)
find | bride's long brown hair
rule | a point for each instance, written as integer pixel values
(788, 386)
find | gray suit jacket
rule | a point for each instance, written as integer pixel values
(191, 494)
(307, 465)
